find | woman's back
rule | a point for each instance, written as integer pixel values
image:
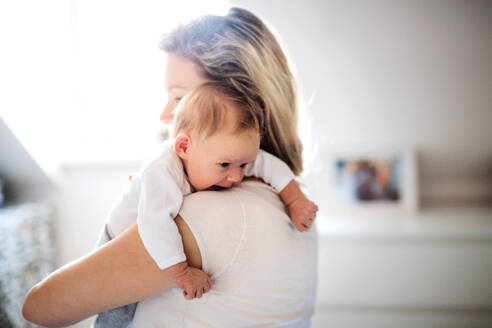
(264, 270)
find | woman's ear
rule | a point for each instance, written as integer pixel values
(182, 145)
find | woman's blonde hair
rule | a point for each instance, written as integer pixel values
(240, 50)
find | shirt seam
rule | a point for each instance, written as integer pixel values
(203, 250)
(241, 239)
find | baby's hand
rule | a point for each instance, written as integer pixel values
(194, 282)
(302, 211)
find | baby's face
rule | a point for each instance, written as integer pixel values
(219, 161)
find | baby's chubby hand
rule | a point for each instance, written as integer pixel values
(302, 211)
(194, 282)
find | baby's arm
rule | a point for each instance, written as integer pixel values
(302, 211)
(160, 200)
(275, 172)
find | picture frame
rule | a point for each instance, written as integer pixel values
(371, 181)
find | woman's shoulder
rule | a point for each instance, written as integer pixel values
(218, 222)
(232, 224)
(248, 193)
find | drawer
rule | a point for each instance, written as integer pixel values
(407, 274)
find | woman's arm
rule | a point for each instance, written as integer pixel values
(118, 273)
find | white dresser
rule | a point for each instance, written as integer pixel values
(432, 269)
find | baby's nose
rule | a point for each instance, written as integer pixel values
(235, 175)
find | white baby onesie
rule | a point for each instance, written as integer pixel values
(154, 196)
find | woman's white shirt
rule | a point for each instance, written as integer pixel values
(264, 270)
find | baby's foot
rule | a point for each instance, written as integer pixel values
(194, 282)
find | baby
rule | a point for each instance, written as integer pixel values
(215, 143)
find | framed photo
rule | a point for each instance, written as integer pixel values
(373, 181)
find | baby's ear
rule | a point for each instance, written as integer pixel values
(182, 145)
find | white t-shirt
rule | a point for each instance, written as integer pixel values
(154, 196)
(264, 270)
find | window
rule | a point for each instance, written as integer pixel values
(86, 76)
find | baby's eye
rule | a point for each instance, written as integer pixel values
(224, 164)
(177, 98)
(243, 165)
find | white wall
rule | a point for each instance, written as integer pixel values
(23, 178)
(85, 195)
(395, 74)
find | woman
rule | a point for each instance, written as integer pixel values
(239, 49)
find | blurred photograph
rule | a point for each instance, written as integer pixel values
(368, 181)
(372, 181)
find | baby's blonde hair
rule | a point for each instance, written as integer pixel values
(238, 49)
(205, 110)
